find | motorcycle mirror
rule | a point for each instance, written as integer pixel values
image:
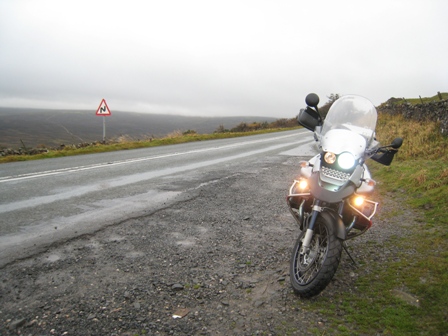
(312, 100)
(396, 143)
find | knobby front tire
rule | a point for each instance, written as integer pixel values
(311, 272)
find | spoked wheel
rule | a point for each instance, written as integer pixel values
(313, 270)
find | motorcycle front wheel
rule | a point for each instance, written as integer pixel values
(313, 270)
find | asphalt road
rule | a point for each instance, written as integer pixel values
(48, 201)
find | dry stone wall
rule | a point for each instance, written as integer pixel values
(434, 111)
(34, 151)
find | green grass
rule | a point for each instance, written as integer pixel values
(174, 138)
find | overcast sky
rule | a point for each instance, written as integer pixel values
(206, 57)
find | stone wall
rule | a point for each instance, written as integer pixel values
(434, 111)
(22, 151)
(34, 151)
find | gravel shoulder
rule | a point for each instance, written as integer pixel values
(214, 264)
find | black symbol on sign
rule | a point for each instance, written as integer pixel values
(103, 109)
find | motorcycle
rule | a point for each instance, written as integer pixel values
(329, 198)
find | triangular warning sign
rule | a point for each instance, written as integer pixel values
(103, 109)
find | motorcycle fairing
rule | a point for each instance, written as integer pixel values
(338, 141)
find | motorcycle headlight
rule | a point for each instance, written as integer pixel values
(330, 157)
(346, 160)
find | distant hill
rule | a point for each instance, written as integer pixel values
(51, 128)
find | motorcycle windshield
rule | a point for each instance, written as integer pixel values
(353, 113)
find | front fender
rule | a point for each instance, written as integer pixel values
(331, 216)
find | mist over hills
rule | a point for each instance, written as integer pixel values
(51, 128)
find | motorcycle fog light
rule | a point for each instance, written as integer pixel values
(330, 157)
(303, 184)
(358, 201)
(346, 160)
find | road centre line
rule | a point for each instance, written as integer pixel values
(120, 162)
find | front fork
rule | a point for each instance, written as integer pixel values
(310, 230)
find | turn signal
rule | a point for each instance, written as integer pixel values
(370, 182)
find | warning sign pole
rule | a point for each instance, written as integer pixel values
(104, 129)
(103, 111)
